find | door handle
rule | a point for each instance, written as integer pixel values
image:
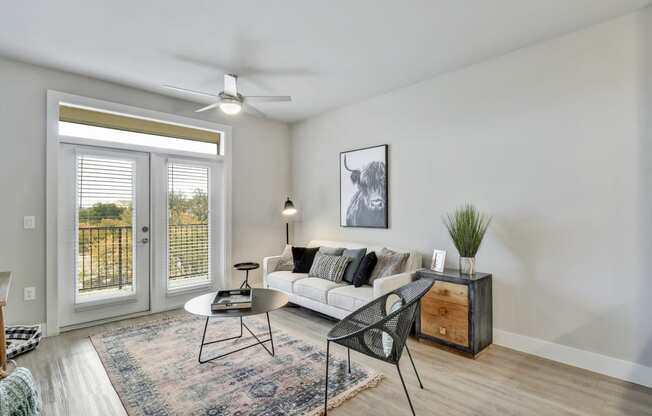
(144, 240)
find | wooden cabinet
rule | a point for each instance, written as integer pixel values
(457, 311)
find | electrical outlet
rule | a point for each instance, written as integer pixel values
(29, 293)
(29, 222)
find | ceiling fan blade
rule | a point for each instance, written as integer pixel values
(267, 98)
(230, 85)
(208, 107)
(253, 110)
(205, 94)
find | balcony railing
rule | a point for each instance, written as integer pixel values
(187, 251)
(105, 258)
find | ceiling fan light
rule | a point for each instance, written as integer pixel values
(230, 107)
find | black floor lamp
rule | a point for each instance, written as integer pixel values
(288, 210)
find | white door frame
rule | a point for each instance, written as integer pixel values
(53, 139)
(73, 310)
(162, 297)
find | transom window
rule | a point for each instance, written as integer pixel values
(117, 128)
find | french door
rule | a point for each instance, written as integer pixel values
(104, 236)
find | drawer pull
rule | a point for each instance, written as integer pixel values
(443, 292)
(442, 330)
(443, 311)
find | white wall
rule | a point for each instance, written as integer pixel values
(554, 142)
(260, 174)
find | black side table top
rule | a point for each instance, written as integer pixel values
(246, 266)
(452, 276)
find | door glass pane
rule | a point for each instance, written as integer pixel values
(105, 218)
(188, 225)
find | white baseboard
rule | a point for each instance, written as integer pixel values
(602, 364)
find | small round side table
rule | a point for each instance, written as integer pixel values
(246, 267)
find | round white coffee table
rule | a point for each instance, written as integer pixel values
(263, 302)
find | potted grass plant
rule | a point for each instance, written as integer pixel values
(467, 227)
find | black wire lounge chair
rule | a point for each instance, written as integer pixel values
(380, 330)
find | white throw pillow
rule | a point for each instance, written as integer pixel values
(286, 262)
(395, 303)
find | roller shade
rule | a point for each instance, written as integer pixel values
(137, 125)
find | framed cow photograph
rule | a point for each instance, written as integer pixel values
(363, 188)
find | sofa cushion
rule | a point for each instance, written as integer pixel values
(284, 280)
(389, 263)
(365, 269)
(328, 251)
(286, 262)
(329, 267)
(356, 255)
(331, 251)
(350, 297)
(303, 258)
(315, 288)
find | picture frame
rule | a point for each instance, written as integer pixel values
(438, 260)
(364, 190)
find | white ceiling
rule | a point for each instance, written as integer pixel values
(324, 53)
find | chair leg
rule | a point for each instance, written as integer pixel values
(413, 366)
(348, 354)
(328, 344)
(405, 388)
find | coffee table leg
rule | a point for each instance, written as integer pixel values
(271, 339)
(203, 338)
(242, 324)
(262, 343)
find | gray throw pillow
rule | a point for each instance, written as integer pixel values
(329, 251)
(389, 263)
(356, 256)
(329, 267)
(286, 262)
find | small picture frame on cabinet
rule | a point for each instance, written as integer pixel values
(438, 260)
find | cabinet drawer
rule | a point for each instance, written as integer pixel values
(448, 292)
(445, 320)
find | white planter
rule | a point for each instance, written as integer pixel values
(467, 265)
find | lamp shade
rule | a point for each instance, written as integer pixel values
(289, 208)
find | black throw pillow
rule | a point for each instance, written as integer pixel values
(303, 258)
(364, 270)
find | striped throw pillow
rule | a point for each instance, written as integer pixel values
(329, 267)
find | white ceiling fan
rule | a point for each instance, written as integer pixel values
(230, 101)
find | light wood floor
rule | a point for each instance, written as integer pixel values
(499, 382)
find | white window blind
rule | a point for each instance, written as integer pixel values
(105, 192)
(102, 180)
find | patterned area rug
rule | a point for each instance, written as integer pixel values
(153, 367)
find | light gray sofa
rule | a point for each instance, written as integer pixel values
(330, 298)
